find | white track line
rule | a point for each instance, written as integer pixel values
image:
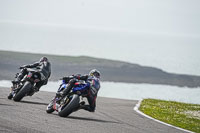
(136, 108)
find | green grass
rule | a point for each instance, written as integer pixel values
(182, 115)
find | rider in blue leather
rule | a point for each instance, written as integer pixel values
(93, 79)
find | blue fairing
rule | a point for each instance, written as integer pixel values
(62, 86)
(81, 87)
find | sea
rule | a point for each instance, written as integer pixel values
(132, 91)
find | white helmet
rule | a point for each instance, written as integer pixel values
(95, 73)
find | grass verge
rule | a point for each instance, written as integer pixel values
(182, 115)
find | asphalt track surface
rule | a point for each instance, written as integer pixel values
(111, 116)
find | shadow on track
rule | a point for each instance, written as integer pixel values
(5, 104)
(90, 119)
(38, 103)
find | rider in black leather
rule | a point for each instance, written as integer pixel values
(92, 91)
(44, 68)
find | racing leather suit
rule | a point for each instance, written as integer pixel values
(43, 67)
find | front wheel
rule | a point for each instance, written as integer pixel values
(24, 90)
(69, 107)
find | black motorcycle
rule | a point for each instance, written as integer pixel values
(25, 87)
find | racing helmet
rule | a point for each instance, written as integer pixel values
(43, 59)
(95, 73)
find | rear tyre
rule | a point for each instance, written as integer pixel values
(24, 90)
(73, 104)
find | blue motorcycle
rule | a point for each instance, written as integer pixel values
(71, 101)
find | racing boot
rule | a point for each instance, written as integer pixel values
(19, 77)
(10, 96)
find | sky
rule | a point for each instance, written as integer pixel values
(159, 33)
(177, 17)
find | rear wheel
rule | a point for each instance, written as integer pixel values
(24, 90)
(69, 107)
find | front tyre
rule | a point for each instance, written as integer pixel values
(66, 110)
(24, 90)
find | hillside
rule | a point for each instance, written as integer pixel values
(111, 70)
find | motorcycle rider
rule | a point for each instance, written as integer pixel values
(94, 75)
(43, 66)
